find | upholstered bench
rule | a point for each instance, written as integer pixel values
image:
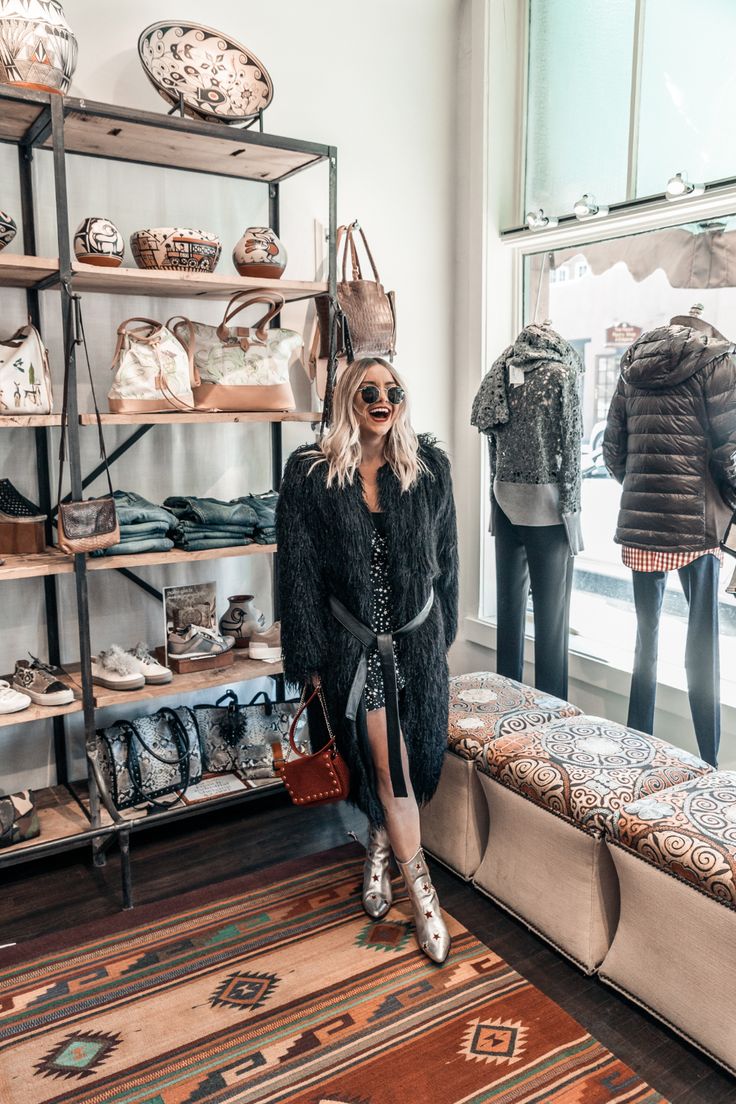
(482, 706)
(550, 793)
(673, 952)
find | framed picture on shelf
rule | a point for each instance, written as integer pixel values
(192, 604)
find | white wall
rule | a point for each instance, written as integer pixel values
(378, 81)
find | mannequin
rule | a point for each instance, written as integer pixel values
(671, 440)
(529, 407)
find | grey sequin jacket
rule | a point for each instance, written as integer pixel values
(534, 431)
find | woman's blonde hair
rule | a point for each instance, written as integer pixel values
(340, 447)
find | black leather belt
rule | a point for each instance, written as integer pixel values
(384, 642)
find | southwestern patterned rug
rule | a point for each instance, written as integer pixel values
(276, 988)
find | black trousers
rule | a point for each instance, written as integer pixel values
(536, 555)
(700, 583)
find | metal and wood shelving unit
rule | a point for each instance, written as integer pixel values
(80, 813)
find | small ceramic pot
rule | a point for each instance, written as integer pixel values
(97, 241)
(260, 253)
(242, 619)
(177, 248)
(8, 229)
(37, 46)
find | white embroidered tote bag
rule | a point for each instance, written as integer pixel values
(152, 370)
(25, 380)
(241, 367)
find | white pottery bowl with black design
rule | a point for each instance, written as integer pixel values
(217, 78)
(177, 248)
(8, 229)
(97, 241)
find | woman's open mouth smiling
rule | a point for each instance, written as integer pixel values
(380, 413)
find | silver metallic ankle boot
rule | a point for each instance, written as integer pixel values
(432, 934)
(377, 894)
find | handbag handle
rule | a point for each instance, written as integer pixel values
(271, 299)
(268, 703)
(180, 737)
(75, 305)
(350, 244)
(316, 693)
(188, 345)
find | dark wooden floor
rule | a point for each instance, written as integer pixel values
(58, 893)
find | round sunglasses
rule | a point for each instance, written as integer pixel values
(370, 394)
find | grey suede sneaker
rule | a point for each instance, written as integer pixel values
(196, 641)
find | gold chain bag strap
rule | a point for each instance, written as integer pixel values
(91, 524)
(312, 779)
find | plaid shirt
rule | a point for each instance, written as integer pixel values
(646, 559)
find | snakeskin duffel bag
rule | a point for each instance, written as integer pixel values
(150, 757)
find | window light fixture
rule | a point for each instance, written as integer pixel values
(587, 208)
(537, 220)
(679, 187)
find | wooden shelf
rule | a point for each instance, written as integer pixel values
(43, 712)
(50, 562)
(24, 421)
(176, 556)
(152, 138)
(23, 271)
(19, 110)
(240, 671)
(185, 285)
(203, 417)
(60, 815)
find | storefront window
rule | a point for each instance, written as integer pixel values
(580, 57)
(688, 71)
(612, 292)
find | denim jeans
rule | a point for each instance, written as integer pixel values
(131, 547)
(702, 664)
(134, 509)
(536, 555)
(212, 511)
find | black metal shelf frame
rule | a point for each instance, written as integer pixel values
(41, 125)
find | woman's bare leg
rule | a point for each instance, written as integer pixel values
(402, 813)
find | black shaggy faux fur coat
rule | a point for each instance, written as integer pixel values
(324, 541)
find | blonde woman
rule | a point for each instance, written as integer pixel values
(368, 581)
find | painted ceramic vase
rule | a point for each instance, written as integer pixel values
(175, 247)
(97, 241)
(242, 619)
(260, 253)
(215, 76)
(37, 46)
(8, 229)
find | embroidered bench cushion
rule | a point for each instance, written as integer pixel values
(484, 706)
(689, 831)
(586, 768)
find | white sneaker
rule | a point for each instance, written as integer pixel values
(145, 664)
(116, 670)
(266, 645)
(10, 700)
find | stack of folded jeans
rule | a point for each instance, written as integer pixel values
(202, 523)
(264, 506)
(143, 526)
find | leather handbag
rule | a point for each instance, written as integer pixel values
(366, 312)
(150, 757)
(312, 779)
(25, 380)
(153, 370)
(238, 738)
(18, 818)
(241, 367)
(92, 524)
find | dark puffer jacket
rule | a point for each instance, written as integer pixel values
(671, 440)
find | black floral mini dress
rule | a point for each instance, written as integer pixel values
(381, 614)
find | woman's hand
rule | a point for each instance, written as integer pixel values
(316, 681)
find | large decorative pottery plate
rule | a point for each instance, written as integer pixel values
(216, 76)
